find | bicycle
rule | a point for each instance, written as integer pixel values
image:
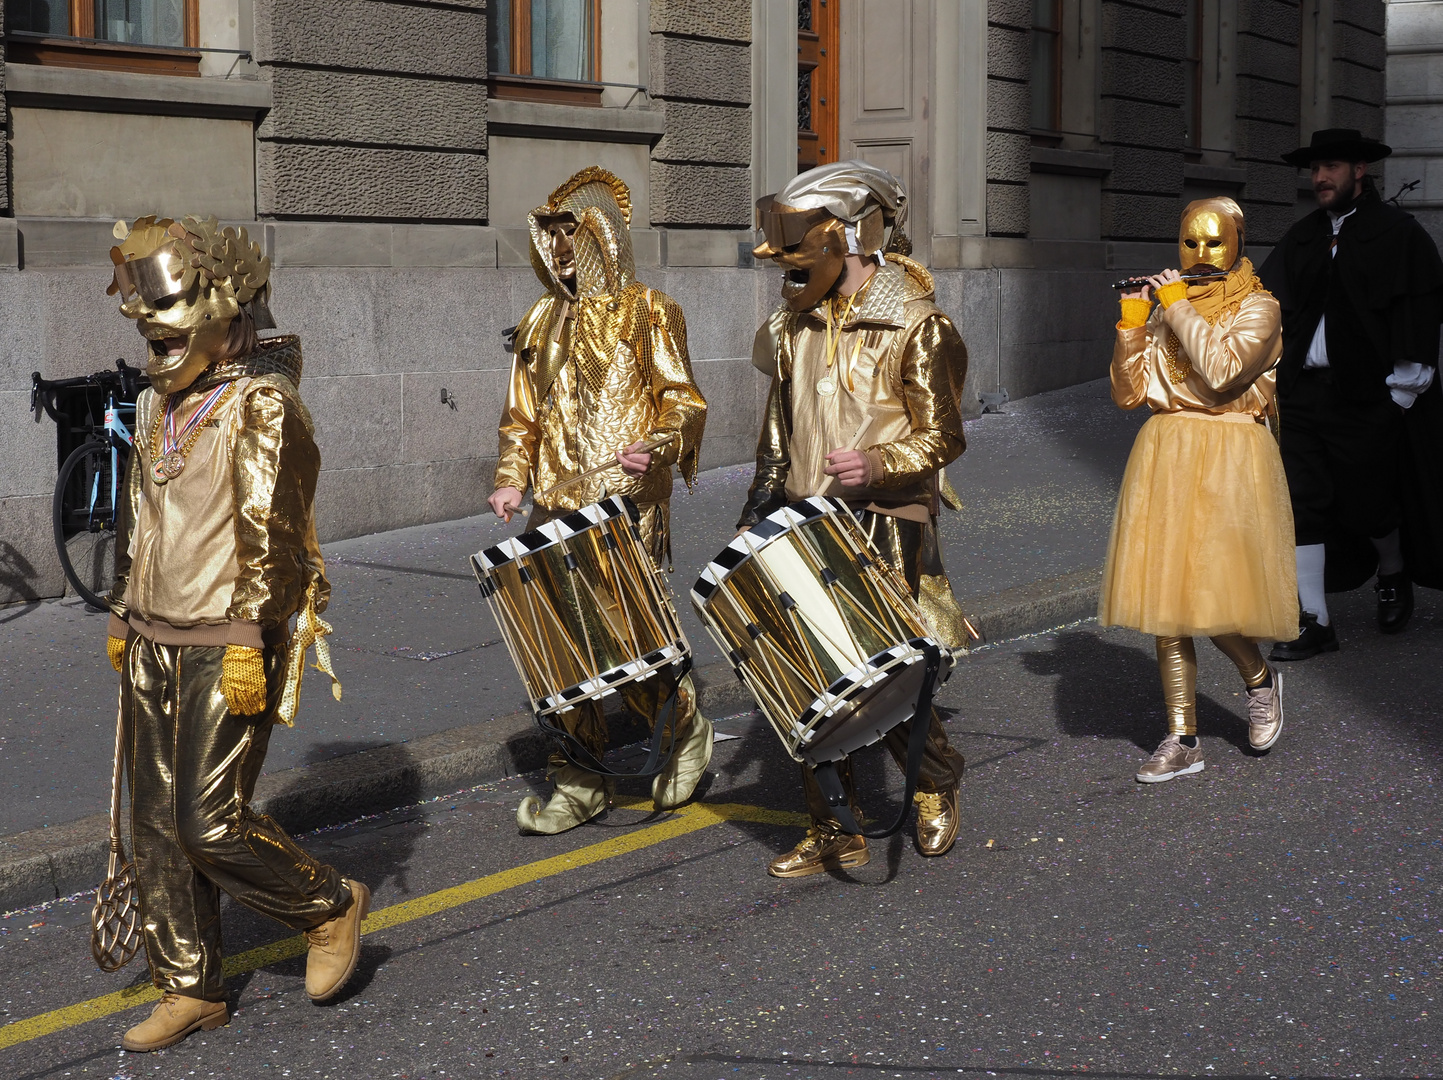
(86, 507)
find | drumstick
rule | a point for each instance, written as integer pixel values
(861, 431)
(856, 441)
(645, 449)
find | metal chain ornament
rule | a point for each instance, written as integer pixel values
(115, 919)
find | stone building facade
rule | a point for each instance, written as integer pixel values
(1415, 108)
(387, 153)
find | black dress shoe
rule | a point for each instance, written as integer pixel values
(1312, 639)
(1395, 601)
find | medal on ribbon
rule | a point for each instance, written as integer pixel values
(174, 446)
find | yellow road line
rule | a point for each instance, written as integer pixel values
(688, 820)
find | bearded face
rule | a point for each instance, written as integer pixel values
(1208, 239)
(186, 329)
(810, 246)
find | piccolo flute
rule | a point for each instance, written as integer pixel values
(1201, 275)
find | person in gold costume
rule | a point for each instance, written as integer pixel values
(600, 369)
(1202, 539)
(867, 375)
(221, 553)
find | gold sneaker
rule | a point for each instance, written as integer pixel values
(172, 1020)
(336, 946)
(1170, 759)
(937, 821)
(821, 850)
(1265, 714)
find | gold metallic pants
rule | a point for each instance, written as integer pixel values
(1177, 662)
(193, 767)
(646, 698)
(904, 544)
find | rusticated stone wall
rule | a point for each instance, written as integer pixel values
(1009, 107)
(379, 110)
(1140, 117)
(1266, 125)
(701, 77)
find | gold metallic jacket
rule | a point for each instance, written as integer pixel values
(225, 552)
(1222, 363)
(598, 370)
(900, 361)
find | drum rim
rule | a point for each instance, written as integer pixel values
(612, 680)
(909, 652)
(553, 532)
(760, 536)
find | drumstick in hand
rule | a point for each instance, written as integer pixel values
(644, 449)
(856, 442)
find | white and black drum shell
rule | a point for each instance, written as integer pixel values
(821, 630)
(581, 606)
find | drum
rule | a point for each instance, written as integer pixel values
(821, 630)
(582, 607)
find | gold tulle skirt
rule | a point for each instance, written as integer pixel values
(1202, 542)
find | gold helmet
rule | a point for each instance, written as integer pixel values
(185, 283)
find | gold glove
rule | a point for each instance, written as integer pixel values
(115, 649)
(243, 680)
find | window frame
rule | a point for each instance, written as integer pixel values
(1053, 131)
(1193, 64)
(82, 49)
(523, 86)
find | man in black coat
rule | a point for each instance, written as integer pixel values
(1361, 289)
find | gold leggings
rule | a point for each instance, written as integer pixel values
(1177, 662)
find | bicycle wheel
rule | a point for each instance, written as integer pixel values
(84, 519)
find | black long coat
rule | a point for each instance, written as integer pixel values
(1383, 295)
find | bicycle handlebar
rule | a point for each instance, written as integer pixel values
(126, 379)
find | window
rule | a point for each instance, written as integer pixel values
(125, 35)
(1192, 76)
(531, 42)
(1046, 65)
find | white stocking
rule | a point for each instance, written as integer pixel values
(1311, 561)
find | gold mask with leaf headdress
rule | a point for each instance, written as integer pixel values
(185, 283)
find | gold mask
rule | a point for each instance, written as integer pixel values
(184, 284)
(1208, 237)
(809, 245)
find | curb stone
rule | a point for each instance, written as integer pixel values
(60, 860)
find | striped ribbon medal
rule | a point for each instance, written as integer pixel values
(174, 446)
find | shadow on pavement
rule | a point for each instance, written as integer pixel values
(1109, 690)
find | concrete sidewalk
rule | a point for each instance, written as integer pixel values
(432, 702)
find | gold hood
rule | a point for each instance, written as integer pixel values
(601, 204)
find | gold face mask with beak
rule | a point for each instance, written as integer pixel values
(1208, 238)
(185, 284)
(185, 328)
(809, 245)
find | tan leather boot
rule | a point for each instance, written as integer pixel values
(674, 785)
(172, 1020)
(336, 946)
(578, 797)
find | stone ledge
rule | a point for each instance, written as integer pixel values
(122, 91)
(61, 860)
(538, 119)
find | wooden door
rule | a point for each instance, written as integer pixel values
(885, 78)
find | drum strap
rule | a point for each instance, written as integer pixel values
(576, 752)
(831, 784)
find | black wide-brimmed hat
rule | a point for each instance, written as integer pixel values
(1338, 144)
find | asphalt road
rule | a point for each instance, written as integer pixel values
(1272, 916)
